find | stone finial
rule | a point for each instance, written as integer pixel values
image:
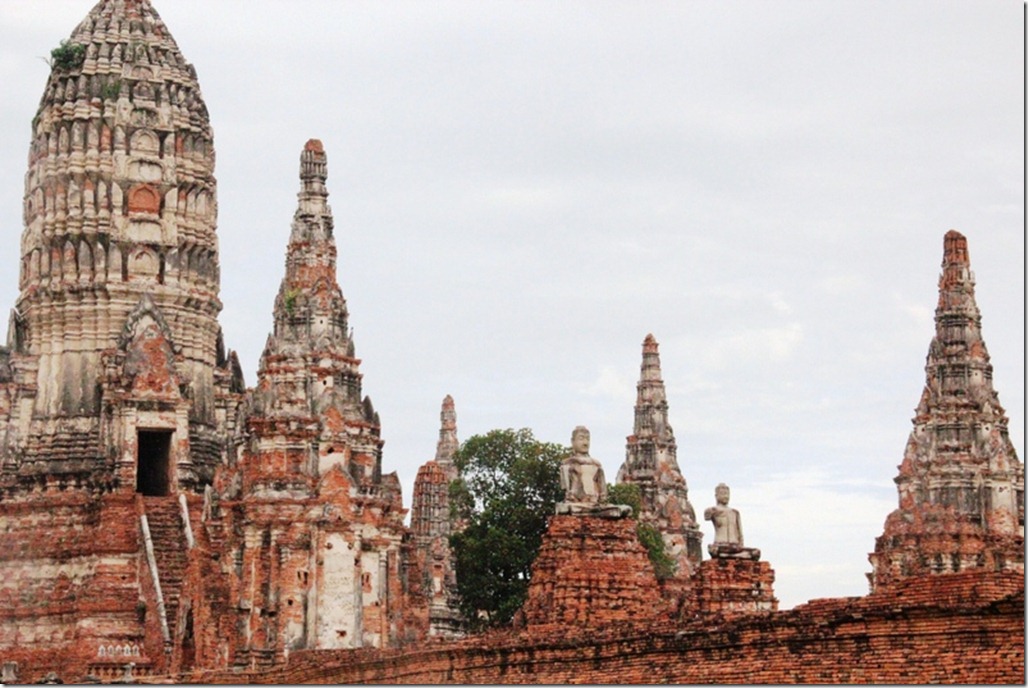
(313, 169)
(651, 359)
(728, 542)
(448, 443)
(955, 249)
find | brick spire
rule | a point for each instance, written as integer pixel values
(651, 463)
(448, 443)
(961, 485)
(310, 305)
(308, 365)
(432, 524)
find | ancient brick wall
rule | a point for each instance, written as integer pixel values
(591, 572)
(71, 582)
(954, 628)
(735, 586)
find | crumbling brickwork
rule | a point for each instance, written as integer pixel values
(734, 586)
(189, 522)
(959, 628)
(591, 572)
(432, 524)
(314, 530)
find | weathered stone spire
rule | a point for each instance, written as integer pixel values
(432, 524)
(120, 204)
(310, 476)
(310, 305)
(651, 463)
(430, 510)
(961, 485)
(308, 366)
(448, 444)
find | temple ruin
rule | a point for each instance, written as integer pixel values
(961, 485)
(161, 520)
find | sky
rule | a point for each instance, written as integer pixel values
(523, 190)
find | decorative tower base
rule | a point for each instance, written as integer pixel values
(591, 572)
(735, 586)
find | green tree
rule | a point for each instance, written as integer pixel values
(650, 538)
(509, 486)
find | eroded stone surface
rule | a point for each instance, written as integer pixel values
(274, 547)
(591, 572)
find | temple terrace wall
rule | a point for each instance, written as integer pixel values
(955, 628)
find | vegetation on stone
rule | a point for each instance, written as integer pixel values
(67, 56)
(508, 488)
(628, 493)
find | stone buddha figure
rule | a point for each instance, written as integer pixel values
(581, 475)
(584, 483)
(728, 542)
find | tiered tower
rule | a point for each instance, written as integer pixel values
(961, 485)
(118, 401)
(116, 367)
(651, 463)
(432, 525)
(316, 526)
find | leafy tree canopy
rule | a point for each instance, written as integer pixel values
(509, 486)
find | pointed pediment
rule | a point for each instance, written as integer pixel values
(149, 352)
(145, 314)
(335, 487)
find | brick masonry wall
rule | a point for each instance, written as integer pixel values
(955, 628)
(590, 573)
(70, 585)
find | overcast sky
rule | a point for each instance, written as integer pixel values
(523, 190)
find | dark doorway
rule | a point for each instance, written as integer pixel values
(152, 469)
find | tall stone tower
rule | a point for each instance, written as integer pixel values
(115, 365)
(651, 463)
(961, 485)
(432, 525)
(314, 528)
(118, 401)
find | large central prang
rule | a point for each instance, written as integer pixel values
(115, 343)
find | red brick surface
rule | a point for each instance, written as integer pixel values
(593, 573)
(954, 628)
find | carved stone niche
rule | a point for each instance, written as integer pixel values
(144, 142)
(144, 199)
(145, 170)
(144, 265)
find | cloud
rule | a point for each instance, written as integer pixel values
(753, 346)
(612, 383)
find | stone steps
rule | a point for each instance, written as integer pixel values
(169, 544)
